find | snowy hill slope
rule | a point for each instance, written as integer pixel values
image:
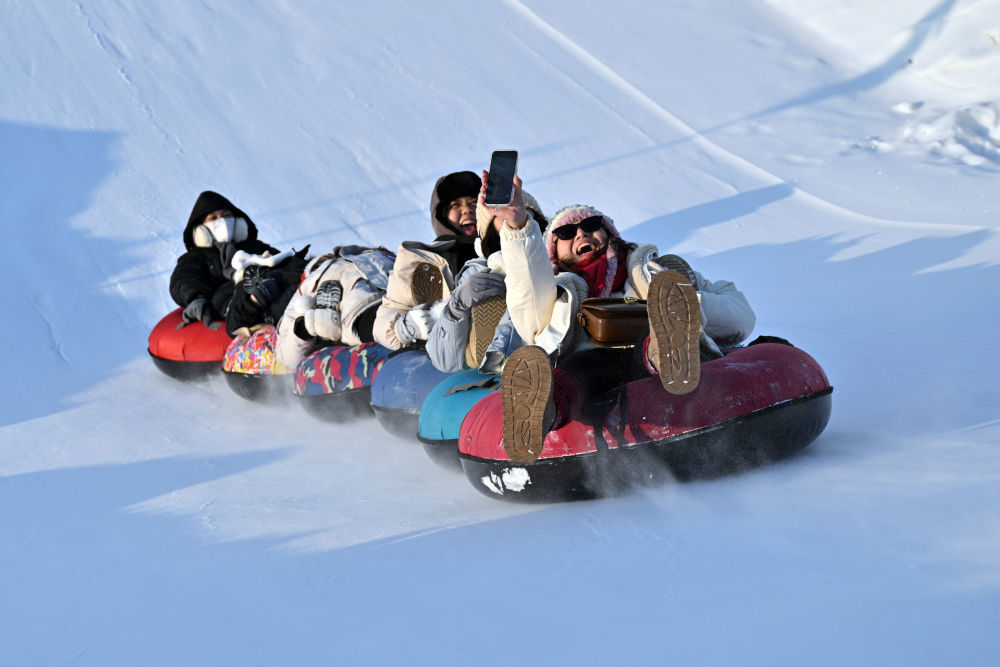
(786, 146)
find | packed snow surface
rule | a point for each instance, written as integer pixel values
(838, 159)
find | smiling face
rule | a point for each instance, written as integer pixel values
(462, 213)
(582, 248)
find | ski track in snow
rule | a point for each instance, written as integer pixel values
(689, 134)
(118, 61)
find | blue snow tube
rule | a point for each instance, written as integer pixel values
(444, 409)
(399, 390)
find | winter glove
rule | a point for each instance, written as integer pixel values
(416, 325)
(672, 263)
(478, 287)
(264, 291)
(323, 323)
(199, 310)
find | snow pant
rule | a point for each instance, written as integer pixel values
(592, 380)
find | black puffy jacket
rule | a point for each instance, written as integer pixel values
(199, 273)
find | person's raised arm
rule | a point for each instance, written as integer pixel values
(514, 215)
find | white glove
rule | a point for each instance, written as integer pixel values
(652, 268)
(415, 325)
(323, 323)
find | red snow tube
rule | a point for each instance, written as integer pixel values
(757, 404)
(191, 351)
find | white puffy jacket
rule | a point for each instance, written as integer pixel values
(363, 275)
(543, 306)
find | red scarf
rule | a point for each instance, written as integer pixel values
(604, 275)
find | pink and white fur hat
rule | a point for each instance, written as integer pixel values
(572, 215)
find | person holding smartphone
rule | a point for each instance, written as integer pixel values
(474, 329)
(423, 274)
(582, 255)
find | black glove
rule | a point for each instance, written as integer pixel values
(199, 310)
(478, 287)
(256, 284)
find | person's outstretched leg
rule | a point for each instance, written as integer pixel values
(674, 331)
(528, 408)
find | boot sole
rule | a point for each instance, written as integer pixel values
(675, 322)
(427, 285)
(486, 316)
(526, 393)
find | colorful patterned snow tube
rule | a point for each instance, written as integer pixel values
(444, 409)
(757, 404)
(335, 382)
(250, 366)
(398, 392)
(187, 351)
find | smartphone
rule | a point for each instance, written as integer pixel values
(500, 186)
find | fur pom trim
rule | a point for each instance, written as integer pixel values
(202, 237)
(243, 259)
(300, 303)
(437, 309)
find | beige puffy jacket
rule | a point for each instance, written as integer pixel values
(398, 299)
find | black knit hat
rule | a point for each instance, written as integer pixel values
(452, 187)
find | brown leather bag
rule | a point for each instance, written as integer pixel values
(611, 322)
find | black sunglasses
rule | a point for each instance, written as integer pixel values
(589, 225)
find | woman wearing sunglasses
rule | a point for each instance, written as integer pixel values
(582, 255)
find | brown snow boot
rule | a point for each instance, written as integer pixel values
(486, 316)
(427, 284)
(528, 407)
(674, 331)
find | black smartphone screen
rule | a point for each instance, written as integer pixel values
(500, 187)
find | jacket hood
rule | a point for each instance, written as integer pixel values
(446, 190)
(207, 202)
